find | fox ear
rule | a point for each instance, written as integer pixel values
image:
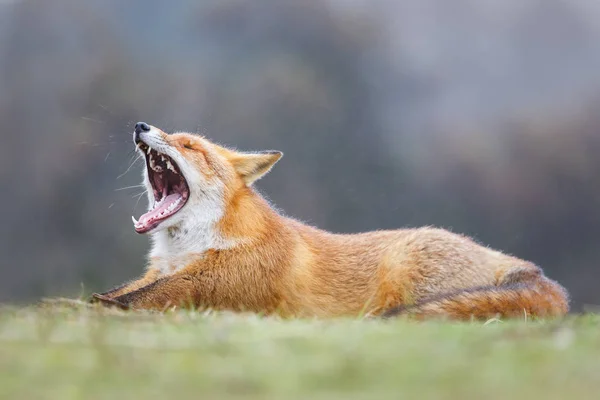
(253, 166)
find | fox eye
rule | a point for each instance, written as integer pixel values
(188, 145)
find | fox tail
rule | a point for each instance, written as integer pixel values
(541, 297)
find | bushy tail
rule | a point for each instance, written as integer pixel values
(538, 298)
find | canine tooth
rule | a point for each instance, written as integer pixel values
(170, 166)
(135, 222)
(148, 150)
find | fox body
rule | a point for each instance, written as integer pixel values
(217, 243)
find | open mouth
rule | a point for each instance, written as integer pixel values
(170, 188)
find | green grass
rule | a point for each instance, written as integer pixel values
(79, 353)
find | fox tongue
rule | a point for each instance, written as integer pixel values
(160, 211)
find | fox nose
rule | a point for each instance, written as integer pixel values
(139, 128)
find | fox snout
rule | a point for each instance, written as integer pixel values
(139, 128)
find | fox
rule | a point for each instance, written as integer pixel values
(218, 244)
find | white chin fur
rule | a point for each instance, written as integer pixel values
(197, 220)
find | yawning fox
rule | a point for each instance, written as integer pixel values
(217, 243)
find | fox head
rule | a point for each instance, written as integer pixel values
(189, 179)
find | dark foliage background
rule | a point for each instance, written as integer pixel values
(478, 116)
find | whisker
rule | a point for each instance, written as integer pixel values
(107, 143)
(92, 120)
(131, 153)
(139, 196)
(129, 187)
(131, 165)
(105, 109)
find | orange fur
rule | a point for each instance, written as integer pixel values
(279, 265)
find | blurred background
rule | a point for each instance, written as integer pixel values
(480, 116)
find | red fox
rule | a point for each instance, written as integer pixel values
(217, 243)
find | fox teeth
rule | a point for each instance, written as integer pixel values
(135, 222)
(149, 150)
(154, 166)
(170, 166)
(174, 205)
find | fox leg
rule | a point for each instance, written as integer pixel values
(174, 290)
(150, 276)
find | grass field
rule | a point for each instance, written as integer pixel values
(76, 352)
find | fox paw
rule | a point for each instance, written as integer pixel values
(107, 301)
